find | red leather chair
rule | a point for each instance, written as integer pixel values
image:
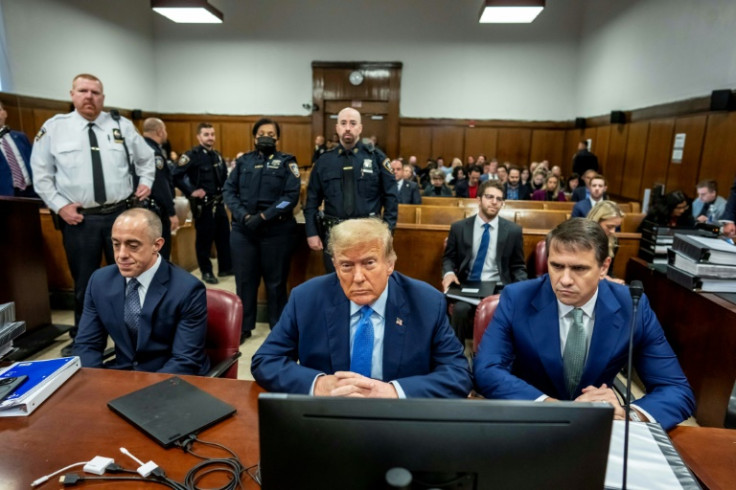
(483, 316)
(540, 258)
(224, 322)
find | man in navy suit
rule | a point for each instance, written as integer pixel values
(597, 189)
(565, 336)
(408, 189)
(16, 177)
(364, 330)
(155, 312)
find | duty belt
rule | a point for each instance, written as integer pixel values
(105, 208)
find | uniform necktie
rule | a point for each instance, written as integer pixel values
(98, 178)
(132, 309)
(19, 182)
(348, 187)
(573, 357)
(362, 355)
(703, 212)
(480, 259)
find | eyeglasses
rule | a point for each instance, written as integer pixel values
(492, 198)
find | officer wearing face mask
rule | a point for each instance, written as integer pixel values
(261, 193)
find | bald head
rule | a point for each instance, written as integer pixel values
(155, 129)
(348, 127)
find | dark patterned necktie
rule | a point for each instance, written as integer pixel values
(132, 309)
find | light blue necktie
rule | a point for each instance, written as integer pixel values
(573, 358)
(362, 355)
(480, 259)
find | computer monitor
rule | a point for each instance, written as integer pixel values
(340, 443)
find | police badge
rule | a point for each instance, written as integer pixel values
(117, 135)
(387, 166)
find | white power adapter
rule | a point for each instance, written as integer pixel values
(97, 465)
(146, 469)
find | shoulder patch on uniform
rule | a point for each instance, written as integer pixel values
(159, 162)
(294, 169)
(40, 133)
(183, 160)
(387, 166)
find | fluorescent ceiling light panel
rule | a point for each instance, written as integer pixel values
(510, 12)
(188, 11)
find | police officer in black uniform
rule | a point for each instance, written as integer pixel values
(162, 192)
(261, 193)
(200, 174)
(354, 181)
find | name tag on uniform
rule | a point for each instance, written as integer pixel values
(368, 166)
(117, 135)
(274, 164)
(258, 166)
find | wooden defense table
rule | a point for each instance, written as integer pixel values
(76, 425)
(701, 328)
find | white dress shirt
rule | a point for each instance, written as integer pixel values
(145, 280)
(490, 267)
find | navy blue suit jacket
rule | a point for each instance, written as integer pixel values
(409, 193)
(6, 178)
(520, 355)
(171, 330)
(581, 208)
(420, 350)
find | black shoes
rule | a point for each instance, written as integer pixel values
(68, 350)
(226, 273)
(246, 334)
(209, 278)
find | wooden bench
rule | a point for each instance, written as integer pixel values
(538, 218)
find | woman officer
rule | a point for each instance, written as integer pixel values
(261, 193)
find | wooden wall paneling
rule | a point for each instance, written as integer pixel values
(572, 137)
(547, 145)
(296, 139)
(181, 135)
(479, 141)
(600, 146)
(514, 146)
(659, 152)
(447, 142)
(718, 160)
(616, 157)
(684, 175)
(236, 137)
(416, 140)
(636, 148)
(392, 143)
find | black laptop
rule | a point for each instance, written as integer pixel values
(472, 289)
(171, 410)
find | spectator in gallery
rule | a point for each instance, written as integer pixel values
(551, 191)
(709, 206)
(457, 175)
(525, 175)
(513, 189)
(503, 173)
(572, 183)
(437, 186)
(557, 171)
(583, 190)
(538, 178)
(469, 188)
(670, 210)
(609, 216)
(456, 163)
(490, 168)
(470, 160)
(441, 166)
